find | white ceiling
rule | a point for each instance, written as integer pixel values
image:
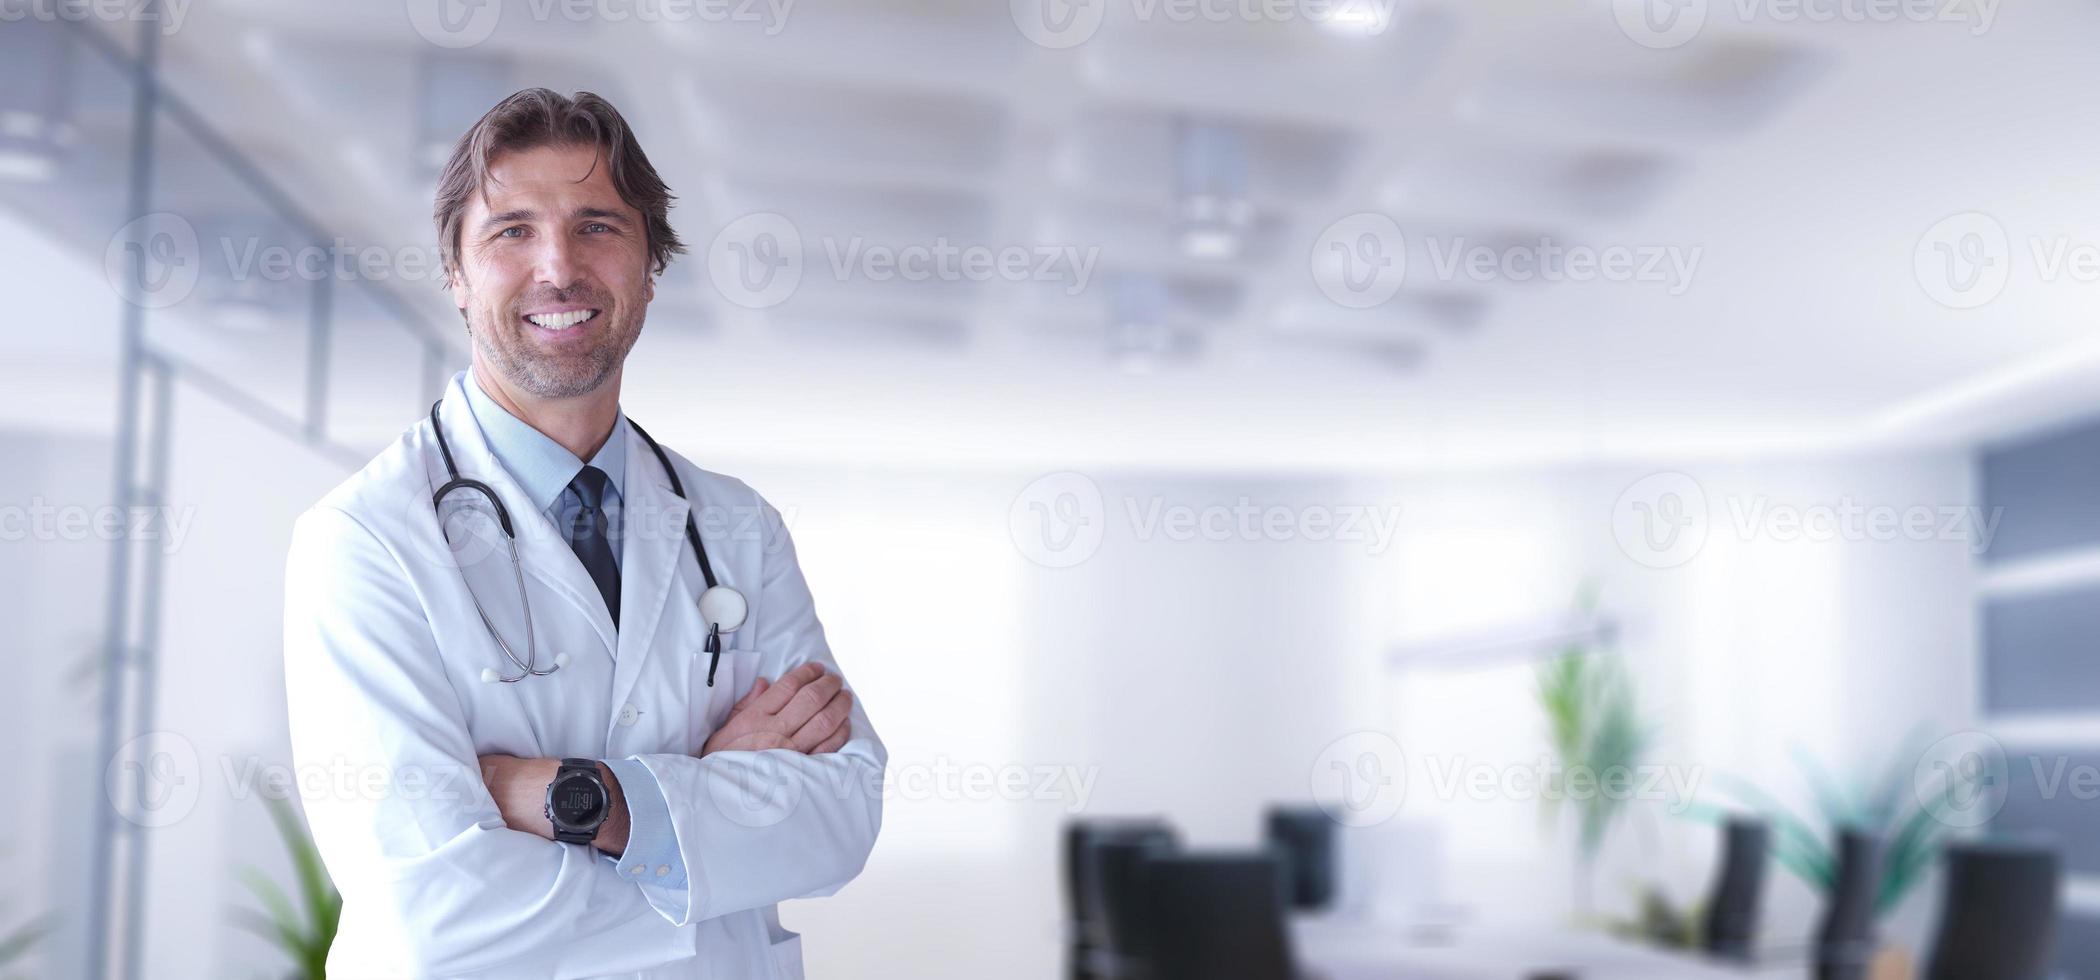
(1798, 163)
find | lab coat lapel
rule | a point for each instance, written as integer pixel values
(541, 549)
(649, 561)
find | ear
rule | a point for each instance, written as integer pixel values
(456, 281)
(649, 289)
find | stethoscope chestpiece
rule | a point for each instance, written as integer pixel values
(723, 610)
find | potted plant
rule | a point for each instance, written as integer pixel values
(303, 931)
(1892, 808)
(1593, 721)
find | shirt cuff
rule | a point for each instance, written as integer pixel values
(652, 859)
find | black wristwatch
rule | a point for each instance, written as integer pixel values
(577, 801)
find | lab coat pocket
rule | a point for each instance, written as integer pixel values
(733, 679)
(786, 947)
(787, 957)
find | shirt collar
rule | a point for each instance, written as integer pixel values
(539, 464)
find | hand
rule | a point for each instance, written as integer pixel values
(520, 789)
(808, 711)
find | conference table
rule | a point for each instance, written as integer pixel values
(1369, 949)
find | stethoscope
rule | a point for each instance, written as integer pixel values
(722, 607)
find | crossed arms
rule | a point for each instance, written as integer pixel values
(809, 711)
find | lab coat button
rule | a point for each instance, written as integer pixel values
(637, 869)
(629, 714)
(662, 870)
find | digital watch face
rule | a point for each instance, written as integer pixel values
(578, 802)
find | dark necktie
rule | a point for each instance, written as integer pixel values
(587, 535)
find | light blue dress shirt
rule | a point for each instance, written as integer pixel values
(544, 469)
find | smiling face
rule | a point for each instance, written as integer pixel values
(553, 271)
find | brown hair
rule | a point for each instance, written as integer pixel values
(537, 117)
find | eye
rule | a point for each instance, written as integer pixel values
(507, 232)
(597, 226)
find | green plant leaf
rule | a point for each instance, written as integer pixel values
(1882, 803)
(18, 943)
(305, 931)
(278, 934)
(1838, 812)
(1913, 848)
(281, 913)
(1795, 844)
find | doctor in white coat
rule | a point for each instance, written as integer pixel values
(426, 751)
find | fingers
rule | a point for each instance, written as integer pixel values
(757, 742)
(758, 687)
(807, 702)
(784, 689)
(824, 723)
(837, 740)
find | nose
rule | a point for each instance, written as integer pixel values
(555, 262)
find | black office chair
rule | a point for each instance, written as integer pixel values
(1122, 879)
(1998, 917)
(1218, 916)
(1305, 836)
(1845, 940)
(1085, 930)
(1738, 895)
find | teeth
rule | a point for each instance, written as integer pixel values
(561, 321)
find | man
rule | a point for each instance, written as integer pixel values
(546, 766)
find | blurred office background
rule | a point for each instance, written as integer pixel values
(1355, 409)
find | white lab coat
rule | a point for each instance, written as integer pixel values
(383, 660)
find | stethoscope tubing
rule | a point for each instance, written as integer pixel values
(529, 666)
